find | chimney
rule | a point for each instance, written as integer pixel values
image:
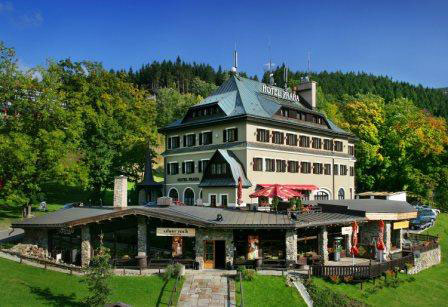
(307, 90)
(121, 192)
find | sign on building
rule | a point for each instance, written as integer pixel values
(346, 230)
(401, 225)
(279, 93)
(175, 232)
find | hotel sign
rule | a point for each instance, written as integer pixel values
(401, 225)
(279, 93)
(184, 179)
(175, 232)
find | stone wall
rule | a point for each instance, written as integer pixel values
(142, 237)
(291, 246)
(425, 260)
(37, 237)
(213, 234)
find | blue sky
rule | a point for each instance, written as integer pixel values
(407, 40)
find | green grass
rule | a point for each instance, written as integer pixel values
(268, 291)
(23, 285)
(427, 288)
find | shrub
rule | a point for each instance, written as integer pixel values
(177, 269)
(325, 297)
(169, 272)
(246, 274)
(348, 279)
(334, 279)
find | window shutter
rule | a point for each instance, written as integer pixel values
(169, 143)
(192, 167)
(183, 167)
(200, 138)
(199, 166)
(194, 140)
(168, 169)
(185, 141)
(236, 134)
(224, 135)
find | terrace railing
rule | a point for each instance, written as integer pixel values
(421, 242)
(361, 271)
(174, 291)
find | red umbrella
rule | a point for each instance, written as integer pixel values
(276, 190)
(380, 244)
(354, 250)
(240, 191)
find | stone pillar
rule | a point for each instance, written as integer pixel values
(323, 243)
(86, 247)
(388, 237)
(348, 244)
(142, 236)
(199, 246)
(291, 246)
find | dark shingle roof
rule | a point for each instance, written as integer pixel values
(325, 218)
(369, 205)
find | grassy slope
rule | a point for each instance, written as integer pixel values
(430, 287)
(268, 291)
(22, 285)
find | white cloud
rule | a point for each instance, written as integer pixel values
(34, 19)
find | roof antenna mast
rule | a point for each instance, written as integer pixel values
(285, 76)
(309, 66)
(271, 73)
(235, 61)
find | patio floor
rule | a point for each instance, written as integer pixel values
(350, 261)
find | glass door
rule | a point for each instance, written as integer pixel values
(209, 254)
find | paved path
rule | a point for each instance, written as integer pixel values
(208, 290)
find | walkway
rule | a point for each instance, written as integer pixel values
(208, 289)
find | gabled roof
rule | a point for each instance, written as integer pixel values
(239, 97)
(236, 170)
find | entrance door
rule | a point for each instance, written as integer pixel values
(220, 254)
(209, 254)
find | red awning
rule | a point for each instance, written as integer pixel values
(303, 187)
(276, 190)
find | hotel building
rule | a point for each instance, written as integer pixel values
(264, 135)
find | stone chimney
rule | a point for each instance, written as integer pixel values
(121, 192)
(308, 91)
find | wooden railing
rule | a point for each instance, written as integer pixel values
(421, 242)
(361, 271)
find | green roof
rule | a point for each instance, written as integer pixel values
(240, 96)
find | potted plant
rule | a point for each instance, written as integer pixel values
(301, 259)
(275, 202)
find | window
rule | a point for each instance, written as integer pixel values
(304, 141)
(258, 164)
(263, 135)
(291, 139)
(327, 169)
(318, 168)
(173, 194)
(280, 166)
(328, 144)
(317, 143)
(173, 142)
(188, 167)
(206, 138)
(343, 171)
(230, 135)
(270, 165)
(336, 169)
(213, 200)
(321, 195)
(189, 140)
(341, 194)
(189, 197)
(202, 165)
(173, 168)
(293, 166)
(352, 171)
(351, 150)
(285, 112)
(305, 167)
(224, 200)
(338, 146)
(278, 137)
(218, 169)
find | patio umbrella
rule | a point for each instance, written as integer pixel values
(240, 191)
(380, 244)
(354, 250)
(276, 190)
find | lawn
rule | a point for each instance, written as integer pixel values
(23, 285)
(268, 291)
(427, 288)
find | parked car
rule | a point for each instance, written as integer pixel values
(428, 212)
(72, 205)
(421, 222)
